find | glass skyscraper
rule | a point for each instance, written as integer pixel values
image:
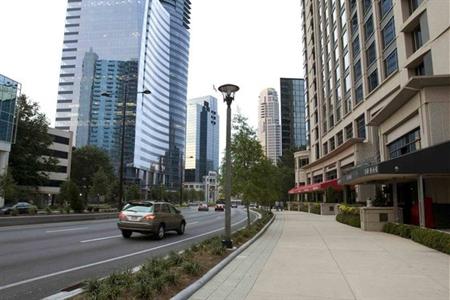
(202, 138)
(118, 49)
(293, 124)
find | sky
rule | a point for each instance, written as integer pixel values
(250, 43)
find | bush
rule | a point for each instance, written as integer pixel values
(48, 210)
(14, 212)
(32, 210)
(191, 268)
(315, 208)
(303, 207)
(349, 219)
(428, 237)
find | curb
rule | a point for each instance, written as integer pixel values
(194, 287)
(30, 220)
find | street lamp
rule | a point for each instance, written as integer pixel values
(228, 91)
(122, 138)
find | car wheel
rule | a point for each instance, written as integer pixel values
(180, 230)
(161, 232)
(126, 233)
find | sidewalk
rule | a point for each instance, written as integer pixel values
(312, 257)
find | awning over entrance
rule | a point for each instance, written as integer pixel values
(434, 160)
(315, 187)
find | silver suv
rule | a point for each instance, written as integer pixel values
(150, 217)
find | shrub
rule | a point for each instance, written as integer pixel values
(175, 259)
(32, 210)
(192, 268)
(315, 208)
(349, 219)
(48, 210)
(428, 237)
(14, 212)
(303, 207)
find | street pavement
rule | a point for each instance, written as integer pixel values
(310, 257)
(37, 261)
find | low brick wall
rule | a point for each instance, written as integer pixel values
(328, 209)
(374, 218)
(28, 220)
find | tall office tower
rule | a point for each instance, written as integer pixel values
(112, 53)
(377, 80)
(269, 132)
(202, 138)
(9, 90)
(293, 125)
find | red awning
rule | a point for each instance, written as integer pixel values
(321, 186)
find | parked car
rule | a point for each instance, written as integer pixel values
(203, 207)
(219, 207)
(21, 207)
(150, 217)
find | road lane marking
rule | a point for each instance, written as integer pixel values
(102, 238)
(62, 230)
(192, 223)
(111, 259)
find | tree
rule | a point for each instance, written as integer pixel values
(8, 187)
(286, 174)
(29, 160)
(71, 194)
(100, 184)
(86, 162)
(132, 192)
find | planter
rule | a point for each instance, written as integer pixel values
(327, 209)
(374, 218)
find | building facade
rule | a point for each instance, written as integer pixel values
(269, 130)
(202, 138)
(377, 76)
(61, 150)
(9, 91)
(112, 53)
(293, 124)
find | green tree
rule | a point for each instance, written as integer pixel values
(8, 187)
(29, 160)
(86, 162)
(71, 194)
(133, 192)
(100, 184)
(286, 174)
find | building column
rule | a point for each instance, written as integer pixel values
(345, 190)
(395, 201)
(421, 201)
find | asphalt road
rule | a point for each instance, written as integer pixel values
(37, 261)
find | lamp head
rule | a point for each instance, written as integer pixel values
(228, 91)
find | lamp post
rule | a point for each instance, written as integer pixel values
(228, 91)
(125, 79)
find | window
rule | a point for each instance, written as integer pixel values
(367, 5)
(388, 33)
(359, 94)
(354, 24)
(417, 38)
(385, 7)
(413, 5)
(340, 138)
(349, 131)
(346, 61)
(361, 127)
(357, 70)
(371, 54)
(332, 144)
(368, 28)
(373, 80)
(347, 83)
(325, 148)
(407, 143)
(390, 63)
(344, 39)
(356, 47)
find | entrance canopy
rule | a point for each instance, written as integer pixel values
(315, 187)
(434, 160)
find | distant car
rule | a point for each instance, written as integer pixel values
(219, 207)
(21, 207)
(234, 205)
(150, 217)
(203, 207)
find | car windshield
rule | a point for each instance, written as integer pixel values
(139, 208)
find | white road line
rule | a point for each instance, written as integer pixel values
(102, 238)
(110, 260)
(192, 223)
(62, 230)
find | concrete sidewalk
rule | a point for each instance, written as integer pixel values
(312, 257)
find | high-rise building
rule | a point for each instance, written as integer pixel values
(378, 80)
(114, 51)
(293, 124)
(9, 90)
(269, 132)
(202, 138)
